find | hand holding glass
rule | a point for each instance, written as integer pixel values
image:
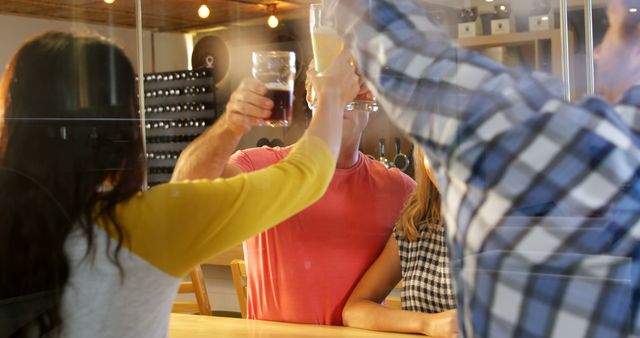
(277, 70)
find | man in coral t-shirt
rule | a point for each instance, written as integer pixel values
(304, 269)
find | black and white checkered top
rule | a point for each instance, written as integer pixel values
(425, 272)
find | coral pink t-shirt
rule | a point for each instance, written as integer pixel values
(304, 269)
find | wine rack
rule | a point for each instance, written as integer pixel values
(179, 106)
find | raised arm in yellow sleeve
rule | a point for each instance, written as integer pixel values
(178, 225)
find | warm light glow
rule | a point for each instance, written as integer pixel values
(545, 18)
(273, 21)
(489, 0)
(633, 10)
(109, 1)
(204, 11)
(188, 42)
(503, 7)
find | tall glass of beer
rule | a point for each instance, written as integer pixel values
(326, 42)
(277, 70)
(327, 45)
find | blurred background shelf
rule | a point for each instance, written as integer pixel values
(541, 51)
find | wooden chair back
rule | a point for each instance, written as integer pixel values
(197, 287)
(239, 274)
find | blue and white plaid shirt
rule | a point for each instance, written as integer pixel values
(541, 196)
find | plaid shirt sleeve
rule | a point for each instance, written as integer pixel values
(541, 196)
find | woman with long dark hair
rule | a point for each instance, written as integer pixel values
(84, 253)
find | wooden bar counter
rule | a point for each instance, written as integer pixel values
(192, 326)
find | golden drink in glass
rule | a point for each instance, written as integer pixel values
(326, 43)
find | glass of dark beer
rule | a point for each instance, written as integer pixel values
(277, 70)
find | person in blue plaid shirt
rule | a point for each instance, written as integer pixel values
(541, 196)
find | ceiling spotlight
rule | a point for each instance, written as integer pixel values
(109, 1)
(272, 21)
(633, 10)
(204, 11)
(488, 0)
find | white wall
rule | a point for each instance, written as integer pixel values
(170, 52)
(170, 48)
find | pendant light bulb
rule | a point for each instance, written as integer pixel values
(272, 21)
(109, 1)
(204, 11)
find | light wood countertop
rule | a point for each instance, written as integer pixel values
(192, 326)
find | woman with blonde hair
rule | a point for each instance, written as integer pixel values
(415, 253)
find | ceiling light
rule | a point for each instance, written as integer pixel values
(503, 7)
(109, 1)
(545, 18)
(272, 21)
(204, 11)
(488, 0)
(633, 10)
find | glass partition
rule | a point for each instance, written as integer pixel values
(523, 254)
(70, 137)
(115, 20)
(190, 57)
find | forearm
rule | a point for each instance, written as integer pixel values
(327, 121)
(207, 156)
(222, 213)
(368, 315)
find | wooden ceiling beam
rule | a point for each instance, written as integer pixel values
(166, 15)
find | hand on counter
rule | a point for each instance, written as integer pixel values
(441, 325)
